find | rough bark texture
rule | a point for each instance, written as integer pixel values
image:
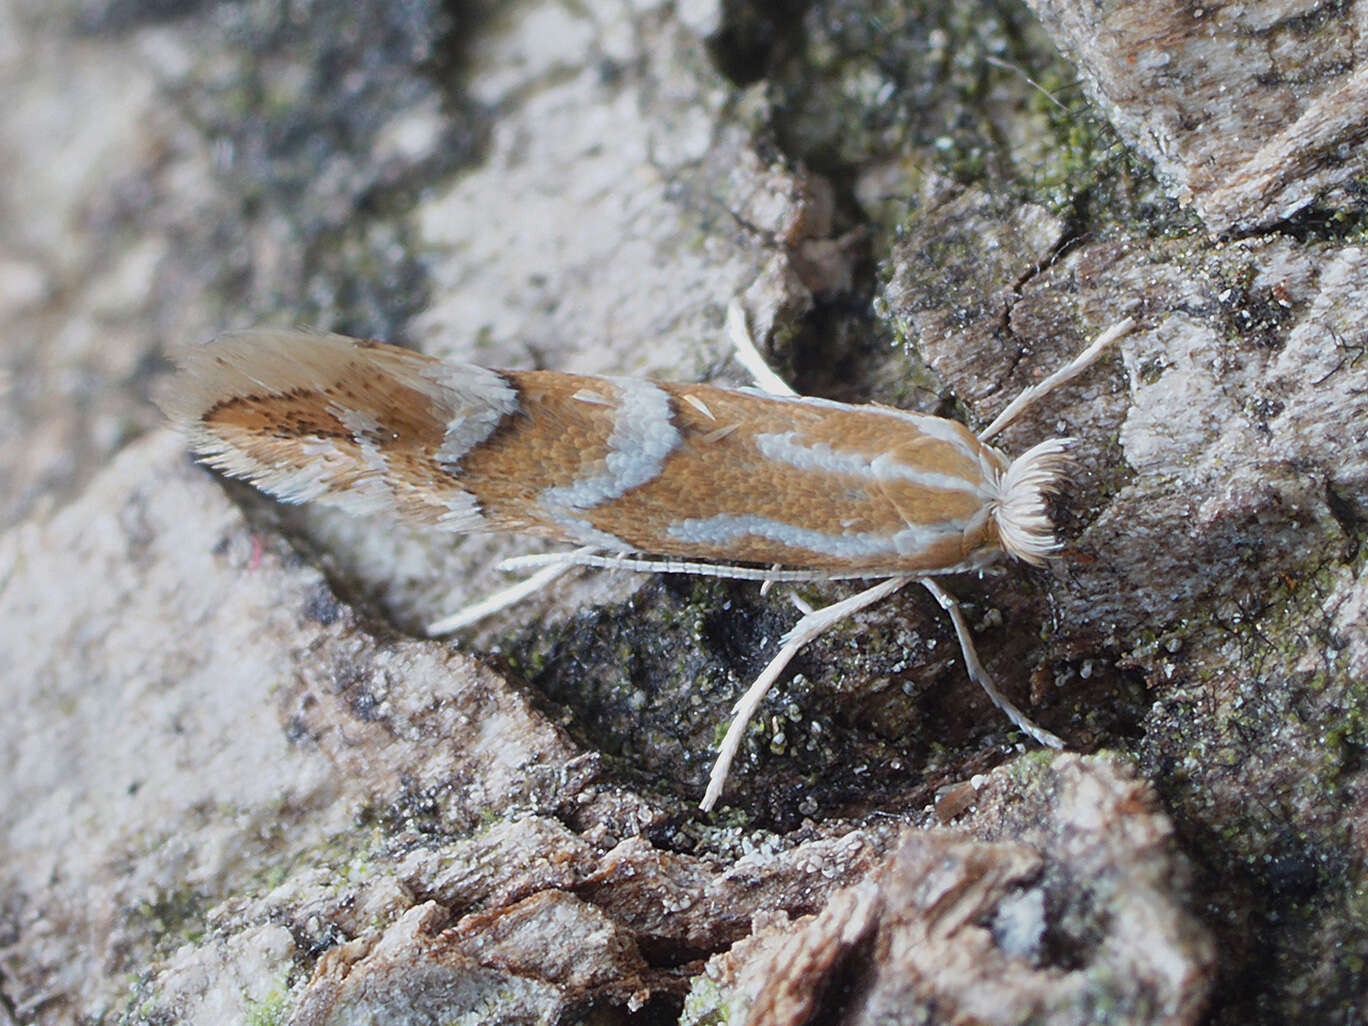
(241, 786)
(1253, 111)
(1067, 917)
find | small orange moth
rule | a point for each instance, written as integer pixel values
(746, 483)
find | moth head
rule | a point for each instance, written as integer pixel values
(1018, 509)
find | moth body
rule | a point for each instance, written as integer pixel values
(623, 465)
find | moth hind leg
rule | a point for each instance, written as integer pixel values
(813, 623)
(979, 674)
(818, 621)
(505, 597)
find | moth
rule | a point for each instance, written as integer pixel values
(757, 483)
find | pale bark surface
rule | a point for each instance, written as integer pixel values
(241, 786)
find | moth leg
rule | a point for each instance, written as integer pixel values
(665, 565)
(810, 626)
(505, 597)
(979, 674)
(748, 354)
(770, 583)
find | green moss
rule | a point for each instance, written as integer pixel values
(141, 1003)
(1271, 749)
(170, 920)
(270, 1011)
(707, 1004)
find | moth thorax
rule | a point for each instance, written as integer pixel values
(1023, 526)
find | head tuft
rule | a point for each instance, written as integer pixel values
(1024, 528)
